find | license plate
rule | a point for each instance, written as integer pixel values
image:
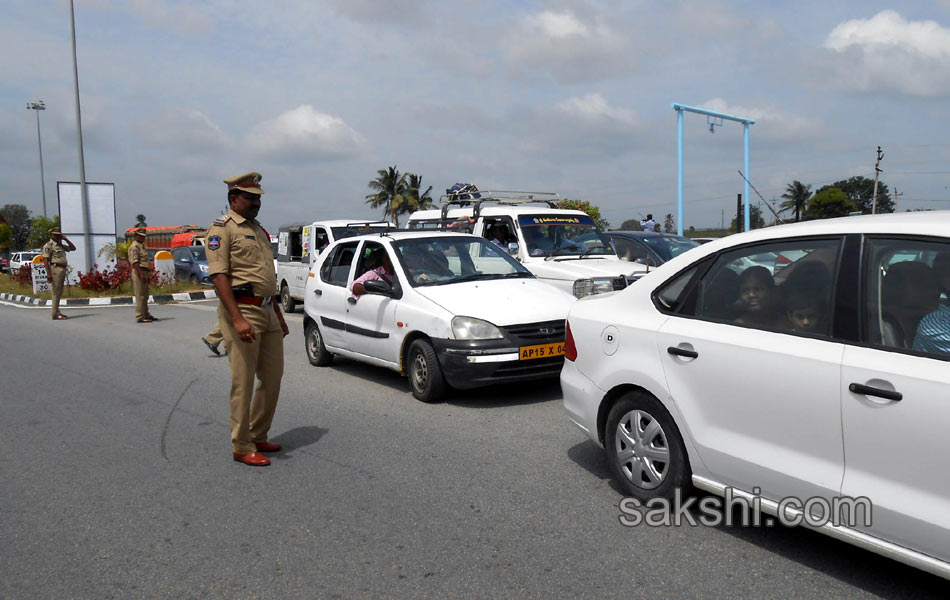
(541, 351)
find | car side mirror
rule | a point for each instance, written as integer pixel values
(378, 286)
(512, 248)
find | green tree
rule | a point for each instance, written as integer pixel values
(140, 221)
(6, 236)
(114, 251)
(860, 191)
(17, 217)
(631, 225)
(796, 197)
(583, 205)
(389, 192)
(829, 202)
(669, 224)
(414, 199)
(755, 219)
(39, 230)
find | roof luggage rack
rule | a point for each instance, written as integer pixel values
(463, 195)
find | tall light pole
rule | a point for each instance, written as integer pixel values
(87, 238)
(38, 106)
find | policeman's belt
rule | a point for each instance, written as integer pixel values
(256, 301)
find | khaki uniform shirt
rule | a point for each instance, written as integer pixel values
(240, 248)
(139, 255)
(55, 253)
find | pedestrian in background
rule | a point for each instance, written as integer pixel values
(54, 258)
(648, 224)
(141, 274)
(241, 265)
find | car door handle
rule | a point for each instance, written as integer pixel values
(867, 390)
(351, 300)
(682, 352)
(317, 292)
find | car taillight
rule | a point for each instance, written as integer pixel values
(570, 350)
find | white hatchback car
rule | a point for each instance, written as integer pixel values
(458, 311)
(821, 376)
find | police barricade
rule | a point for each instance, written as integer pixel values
(164, 266)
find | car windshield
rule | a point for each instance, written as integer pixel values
(669, 246)
(199, 252)
(450, 259)
(556, 235)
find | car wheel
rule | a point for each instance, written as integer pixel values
(193, 279)
(317, 353)
(425, 373)
(286, 302)
(645, 451)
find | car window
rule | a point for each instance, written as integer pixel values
(336, 268)
(628, 249)
(782, 286)
(550, 235)
(199, 253)
(907, 296)
(446, 260)
(371, 257)
(669, 246)
(671, 295)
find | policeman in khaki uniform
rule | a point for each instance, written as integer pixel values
(241, 266)
(213, 339)
(54, 258)
(141, 273)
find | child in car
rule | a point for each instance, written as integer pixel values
(805, 310)
(758, 302)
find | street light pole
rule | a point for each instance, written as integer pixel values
(38, 106)
(87, 238)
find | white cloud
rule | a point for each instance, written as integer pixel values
(567, 47)
(770, 122)
(888, 52)
(185, 130)
(594, 108)
(305, 133)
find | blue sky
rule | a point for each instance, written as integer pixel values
(570, 97)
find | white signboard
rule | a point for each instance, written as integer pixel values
(101, 221)
(40, 279)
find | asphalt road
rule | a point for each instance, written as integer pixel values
(117, 482)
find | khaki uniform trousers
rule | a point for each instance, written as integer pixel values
(264, 357)
(56, 278)
(214, 337)
(140, 288)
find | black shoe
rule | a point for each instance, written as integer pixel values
(211, 347)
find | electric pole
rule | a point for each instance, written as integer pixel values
(877, 174)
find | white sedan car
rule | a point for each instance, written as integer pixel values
(455, 311)
(820, 378)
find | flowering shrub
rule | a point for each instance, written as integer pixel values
(23, 275)
(110, 279)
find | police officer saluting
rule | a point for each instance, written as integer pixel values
(54, 258)
(141, 274)
(241, 266)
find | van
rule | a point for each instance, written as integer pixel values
(300, 244)
(561, 247)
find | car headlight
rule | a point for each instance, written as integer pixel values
(468, 328)
(590, 287)
(204, 268)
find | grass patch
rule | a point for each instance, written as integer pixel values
(9, 286)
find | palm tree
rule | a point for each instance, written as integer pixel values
(140, 221)
(389, 192)
(414, 200)
(796, 195)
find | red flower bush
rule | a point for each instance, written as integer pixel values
(23, 275)
(104, 281)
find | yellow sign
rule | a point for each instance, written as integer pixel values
(541, 351)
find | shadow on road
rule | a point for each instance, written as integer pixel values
(509, 394)
(875, 574)
(296, 438)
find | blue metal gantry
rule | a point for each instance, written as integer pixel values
(680, 108)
